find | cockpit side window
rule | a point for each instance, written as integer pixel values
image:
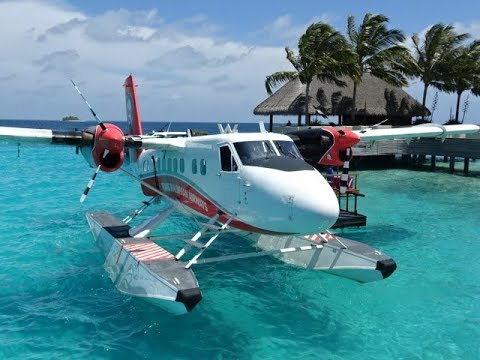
(227, 161)
(288, 148)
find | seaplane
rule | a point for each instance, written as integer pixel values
(256, 185)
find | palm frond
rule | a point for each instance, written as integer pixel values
(294, 59)
(278, 78)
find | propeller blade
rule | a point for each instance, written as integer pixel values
(92, 180)
(100, 122)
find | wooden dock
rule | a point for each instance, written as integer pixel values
(350, 219)
(348, 202)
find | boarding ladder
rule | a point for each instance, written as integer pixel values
(203, 246)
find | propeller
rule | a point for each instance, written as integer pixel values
(100, 123)
(92, 180)
(107, 152)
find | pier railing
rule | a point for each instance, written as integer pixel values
(352, 191)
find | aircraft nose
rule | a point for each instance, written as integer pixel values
(315, 206)
(296, 202)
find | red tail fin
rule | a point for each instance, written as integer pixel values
(133, 114)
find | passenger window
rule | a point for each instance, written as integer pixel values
(203, 166)
(169, 164)
(182, 166)
(164, 164)
(194, 166)
(175, 165)
(227, 161)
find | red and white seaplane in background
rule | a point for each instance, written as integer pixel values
(256, 184)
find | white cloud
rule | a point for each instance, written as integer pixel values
(185, 71)
(283, 28)
(473, 29)
(58, 61)
(123, 25)
(173, 62)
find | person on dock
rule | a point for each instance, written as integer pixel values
(330, 172)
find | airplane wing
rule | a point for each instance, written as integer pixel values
(419, 131)
(79, 138)
(26, 135)
(43, 136)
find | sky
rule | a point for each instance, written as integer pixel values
(192, 60)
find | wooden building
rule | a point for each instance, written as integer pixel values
(376, 101)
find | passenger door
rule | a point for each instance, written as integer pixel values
(228, 178)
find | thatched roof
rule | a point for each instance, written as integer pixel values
(374, 97)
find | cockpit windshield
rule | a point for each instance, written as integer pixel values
(280, 155)
(250, 151)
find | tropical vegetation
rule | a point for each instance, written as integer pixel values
(461, 73)
(70, 118)
(323, 53)
(432, 55)
(377, 50)
(439, 58)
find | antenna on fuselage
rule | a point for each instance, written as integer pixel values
(168, 129)
(261, 127)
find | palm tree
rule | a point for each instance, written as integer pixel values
(323, 53)
(432, 53)
(377, 50)
(461, 72)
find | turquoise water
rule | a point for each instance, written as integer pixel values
(56, 301)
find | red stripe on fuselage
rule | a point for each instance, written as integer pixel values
(186, 194)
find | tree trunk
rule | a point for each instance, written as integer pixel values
(424, 100)
(459, 95)
(307, 115)
(354, 104)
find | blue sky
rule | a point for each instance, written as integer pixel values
(193, 60)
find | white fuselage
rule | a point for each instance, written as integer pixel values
(244, 175)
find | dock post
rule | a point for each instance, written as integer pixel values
(452, 164)
(414, 160)
(432, 164)
(466, 162)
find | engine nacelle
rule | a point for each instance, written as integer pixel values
(343, 139)
(325, 145)
(110, 139)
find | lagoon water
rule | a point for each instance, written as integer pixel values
(56, 301)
